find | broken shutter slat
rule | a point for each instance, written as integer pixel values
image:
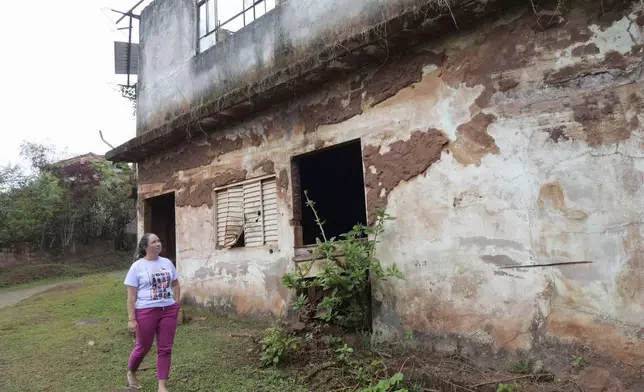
(253, 231)
(222, 214)
(269, 210)
(234, 225)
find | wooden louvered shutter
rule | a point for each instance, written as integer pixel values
(250, 209)
(269, 210)
(254, 228)
(230, 216)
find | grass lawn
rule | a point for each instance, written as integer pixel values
(22, 276)
(22, 286)
(43, 350)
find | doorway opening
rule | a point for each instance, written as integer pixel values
(160, 220)
(334, 180)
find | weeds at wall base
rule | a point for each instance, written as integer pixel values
(332, 347)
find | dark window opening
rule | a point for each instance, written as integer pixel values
(160, 220)
(240, 241)
(334, 180)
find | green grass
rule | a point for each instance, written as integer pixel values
(22, 276)
(43, 350)
(40, 282)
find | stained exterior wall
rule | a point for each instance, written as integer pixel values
(176, 80)
(518, 142)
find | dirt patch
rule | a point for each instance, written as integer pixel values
(473, 142)
(422, 367)
(404, 161)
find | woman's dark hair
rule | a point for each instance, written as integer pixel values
(140, 248)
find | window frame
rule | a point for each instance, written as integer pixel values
(217, 26)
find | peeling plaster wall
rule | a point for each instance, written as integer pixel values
(523, 143)
(176, 79)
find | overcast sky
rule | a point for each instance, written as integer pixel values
(57, 76)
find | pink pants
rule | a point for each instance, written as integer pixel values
(163, 323)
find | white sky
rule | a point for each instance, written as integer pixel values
(57, 76)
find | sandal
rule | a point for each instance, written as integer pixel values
(132, 383)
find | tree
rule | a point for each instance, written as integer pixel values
(39, 155)
(56, 205)
(28, 213)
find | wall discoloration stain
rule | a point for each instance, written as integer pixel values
(282, 180)
(557, 134)
(500, 260)
(267, 166)
(199, 192)
(194, 154)
(398, 73)
(600, 119)
(404, 161)
(630, 279)
(585, 50)
(552, 196)
(473, 142)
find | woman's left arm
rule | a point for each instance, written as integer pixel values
(176, 290)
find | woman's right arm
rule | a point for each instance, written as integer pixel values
(131, 316)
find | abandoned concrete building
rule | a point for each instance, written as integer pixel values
(502, 135)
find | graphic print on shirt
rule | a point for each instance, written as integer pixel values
(160, 284)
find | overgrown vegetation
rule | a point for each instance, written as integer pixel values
(351, 267)
(578, 362)
(332, 334)
(508, 387)
(55, 207)
(276, 345)
(522, 366)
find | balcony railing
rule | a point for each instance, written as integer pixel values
(236, 15)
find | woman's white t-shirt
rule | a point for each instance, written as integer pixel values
(153, 280)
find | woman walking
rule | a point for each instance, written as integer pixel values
(153, 294)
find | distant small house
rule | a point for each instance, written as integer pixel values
(504, 137)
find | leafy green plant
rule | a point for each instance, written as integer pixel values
(521, 367)
(508, 388)
(348, 279)
(393, 384)
(276, 345)
(344, 354)
(578, 362)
